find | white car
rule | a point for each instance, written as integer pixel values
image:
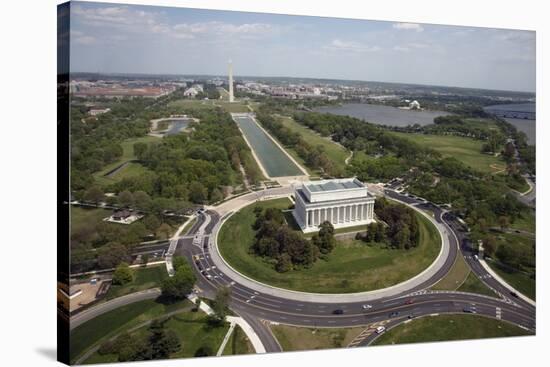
(366, 307)
(380, 329)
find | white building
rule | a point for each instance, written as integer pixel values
(190, 92)
(414, 105)
(343, 202)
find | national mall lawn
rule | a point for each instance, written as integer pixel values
(353, 265)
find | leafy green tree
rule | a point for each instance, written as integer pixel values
(204, 351)
(197, 192)
(284, 263)
(140, 149)
(221, 302)
(216, 196)
(162, 342)
(126, 199)
(180, 285)
(179, 261)
(123, 274)
(94, 194)
(142, 200)
(112, 254)
(489, 246)
(163, 231)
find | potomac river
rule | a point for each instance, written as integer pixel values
(383, 115)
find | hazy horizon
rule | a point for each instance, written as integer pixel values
(153, 40)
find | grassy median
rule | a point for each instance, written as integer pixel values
(449, 327)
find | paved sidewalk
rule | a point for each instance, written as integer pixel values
(226, 339)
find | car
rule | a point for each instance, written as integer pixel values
(469, 310)
(410, 301)
(476, 257)
(514, 294)
(380, 329)
(338, 311)
(394, 314)
(518, 231)
(410, 317)
(366, 307)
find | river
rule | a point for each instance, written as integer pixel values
(383, 115)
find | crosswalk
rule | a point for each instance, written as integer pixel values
(366, 333)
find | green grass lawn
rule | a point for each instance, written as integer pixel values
(520, 281)
(455, 277)
(109, 324)
(448, 327)
(194, 332)
(527, 222)
(127, 155)
(473, 285)
(461, 278)
(465, 150)
(292, 338)
(353, 266)
(82, 216)
(335, 152)
(144, 278)
(238, 343)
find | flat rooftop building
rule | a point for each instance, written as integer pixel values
(342, 202)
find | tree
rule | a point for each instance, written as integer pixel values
(204, 351)
(216, 196)
(94, 194)
(221, 302)
(180, 285)
(162, 342)
(489, 246)
(178, 261)
(142, 200)
(284, 263)
(112, 254)
(126, 199)
(151, 222)
(140, 148)
(163, 231)
(197, 192)
(123, 274)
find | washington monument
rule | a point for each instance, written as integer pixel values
(231, 98)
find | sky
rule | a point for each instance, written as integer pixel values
(120, 38)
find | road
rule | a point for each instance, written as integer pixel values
(256, 306)
(259, 308)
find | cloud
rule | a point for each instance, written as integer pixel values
(408, 26)
(82, 39)
(351, 46)
(221, 29)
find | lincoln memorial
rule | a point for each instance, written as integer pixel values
(342, 202)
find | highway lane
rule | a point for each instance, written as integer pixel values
(246, 301)
(255, 307)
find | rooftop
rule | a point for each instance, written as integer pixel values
(333, 185)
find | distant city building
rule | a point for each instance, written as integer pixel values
(191, 92)
(98, 111)
(342, 202)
